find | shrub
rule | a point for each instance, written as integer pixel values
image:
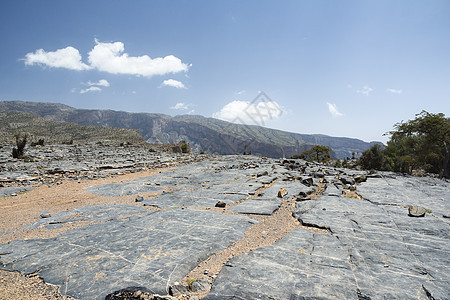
(21, 141)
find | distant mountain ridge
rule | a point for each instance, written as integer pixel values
(203, 134)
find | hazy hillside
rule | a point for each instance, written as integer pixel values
(207, 134)
(60, 132)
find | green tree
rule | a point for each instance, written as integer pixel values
(374, 158)
(317, 153)
(421, 143)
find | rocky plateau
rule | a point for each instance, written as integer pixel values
(184, 226)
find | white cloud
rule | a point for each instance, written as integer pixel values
(182, 106)
(173, 83)
(241, 92)
(91, 89)
(101, 82)
(249, 113)
(68, 58)
(365, 90)
(333, 110)
(394, 91)
(109, 57)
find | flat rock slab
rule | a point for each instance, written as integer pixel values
(94, 213)
(391, 189)
(14, 190)
(193, 198)
(256, 207)
(302, 265)
(121, 189)
(151, 249)
(367, 249)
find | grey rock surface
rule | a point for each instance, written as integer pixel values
(256, 207)
(347, 248)
(367, 249)
(152, 249)
(302, 265)
(8, 191)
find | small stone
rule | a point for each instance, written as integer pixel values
(221, 204)
(318, 175)
(416, 211)
(139, 198)
(282, 193)
(177, 290)
(200, 285)
(45, 214)
(265, 173)
(347, 180)
(308, 181)
(360, 178)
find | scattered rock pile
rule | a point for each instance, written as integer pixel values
(53, 163)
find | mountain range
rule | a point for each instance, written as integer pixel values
(209, 135)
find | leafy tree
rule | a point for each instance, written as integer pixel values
(422, 143)
(374, 158)
(317, 153)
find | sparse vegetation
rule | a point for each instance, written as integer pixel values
(419, 144)
(21, 141)
(42, 131)
(184, 148)
(317, 153)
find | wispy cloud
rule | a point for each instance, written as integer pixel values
(394, 91)
(182, 106)
(101, 82)
(91, 89)
(241, 92)
(333, 110)
(173, 83)
(366, 90)
(95, 86)
(107, 57)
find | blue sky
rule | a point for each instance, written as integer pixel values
(341, 68)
